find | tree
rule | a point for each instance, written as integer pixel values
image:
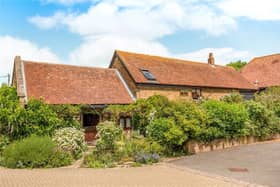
(238, 65)
(36, 117)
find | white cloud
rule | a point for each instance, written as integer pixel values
(222, 56)
(137, 25)
(11, 47)
(99, 51)
(134, 26)
(146, 18)
(48, 22)
(252, 9)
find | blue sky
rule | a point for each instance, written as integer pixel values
(86, 32)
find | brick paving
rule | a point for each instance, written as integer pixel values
(148, 176)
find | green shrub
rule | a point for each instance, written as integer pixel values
(9, 111)
(270, 98)
(41, 119)
(60, 158)
(225, 120)
(4, 141)
(144, 111)
(108, 134)
(70, 140)
(234, 97)
(68, 114)
(104, 160)
(189, 116)
(36, 117)
(130, 147)
(165, 132)
(34, 152)
(263, 121)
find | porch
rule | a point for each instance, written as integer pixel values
(92, 115)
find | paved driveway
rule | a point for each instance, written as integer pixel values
(148, 176)
(259, 164)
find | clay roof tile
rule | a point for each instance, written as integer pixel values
(263, 71)
(67, 84)
(170, 71)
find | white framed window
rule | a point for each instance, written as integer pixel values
(122, 122)
(128, 123)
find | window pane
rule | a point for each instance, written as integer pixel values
(196, 93)
(184, 93)
(148, 75)
(128, 123)
(122, 123)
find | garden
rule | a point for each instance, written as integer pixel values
(46, 136)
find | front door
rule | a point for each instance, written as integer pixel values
(90, 121)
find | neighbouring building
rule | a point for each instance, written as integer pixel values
(263, 71)
(178, 79)
(66, 84)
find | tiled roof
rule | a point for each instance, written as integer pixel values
(66, 84)
(169, 71)
(263, 71)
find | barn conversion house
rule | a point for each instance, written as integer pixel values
(65, 84)
(178, 79)
(130, 76)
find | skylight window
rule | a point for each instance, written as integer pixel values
(148, 75)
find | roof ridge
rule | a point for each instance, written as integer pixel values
(275, 54)
(178, 60)
(259, 57)
(71, 65)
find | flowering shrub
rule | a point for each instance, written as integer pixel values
(70, 140)
(145, 158)
(109, 134)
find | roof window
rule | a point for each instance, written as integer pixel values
(148, 75)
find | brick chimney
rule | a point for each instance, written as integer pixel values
(211, 59)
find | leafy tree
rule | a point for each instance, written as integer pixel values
(36, 117)
(238, 65)
(9, 111)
